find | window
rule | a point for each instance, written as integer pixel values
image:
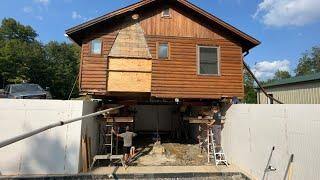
(163, 51)
(208, 59)
(96, 46)
(166, 12)
(270, 101)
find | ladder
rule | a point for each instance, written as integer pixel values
(109, 138)
(218, 157)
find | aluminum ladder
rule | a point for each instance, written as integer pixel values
(218, 157)
(109, 138)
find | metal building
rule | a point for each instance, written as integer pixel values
(295, 90)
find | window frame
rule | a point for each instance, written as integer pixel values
(91, 46)
(166, 16)
(218, 59)
(169, 49)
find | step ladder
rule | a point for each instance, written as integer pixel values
(218, 157)
(109, 139)
(108, 146)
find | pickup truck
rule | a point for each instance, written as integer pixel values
(25, 91)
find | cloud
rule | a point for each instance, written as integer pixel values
(27, 9)
(75, 15)
(43, 2)
(39, 18)
(265, 70)
(280, 13)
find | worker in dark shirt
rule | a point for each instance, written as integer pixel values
(216, 125)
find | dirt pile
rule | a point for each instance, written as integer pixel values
(172, 154)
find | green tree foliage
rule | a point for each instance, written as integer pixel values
(281, 75)
(309, 63)
(250, 93)
(63, 63)
(22, 57)
(20, 54)
(11, 29)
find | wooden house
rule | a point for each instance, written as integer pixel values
(162, 49)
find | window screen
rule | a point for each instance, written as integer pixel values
(208, 60)
(96, 46)
(163, 51)
(166, 12)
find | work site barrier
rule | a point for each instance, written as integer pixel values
(54, 129)
(50, 126)
(251, 132)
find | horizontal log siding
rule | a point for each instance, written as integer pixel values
(177, 77)
(94, 68)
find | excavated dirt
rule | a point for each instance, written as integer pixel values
(172, 154)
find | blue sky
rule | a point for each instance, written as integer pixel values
(286, 28)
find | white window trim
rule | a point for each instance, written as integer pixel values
(166, 16)
(91, 46)
(198, 60)
(158, 48)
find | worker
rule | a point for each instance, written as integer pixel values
(216, 125)
(127, 142)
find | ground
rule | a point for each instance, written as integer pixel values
(171, 154)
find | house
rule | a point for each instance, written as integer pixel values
(295, 90)
(161, 49)
(168, 60)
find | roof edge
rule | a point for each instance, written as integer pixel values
(293, 80)
(141, 3)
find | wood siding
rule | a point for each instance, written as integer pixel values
(178, 76)
(93, 70)
(177, 25)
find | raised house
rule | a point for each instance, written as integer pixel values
(161, 49)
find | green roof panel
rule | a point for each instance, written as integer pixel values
(297, 79)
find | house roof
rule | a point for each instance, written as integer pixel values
(76, 33)
(298, 79)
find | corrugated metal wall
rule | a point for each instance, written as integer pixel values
(251, 131)
(304, 93)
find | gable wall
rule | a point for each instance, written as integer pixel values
(176, 77)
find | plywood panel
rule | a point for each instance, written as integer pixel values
(130, 64)
(129, 82)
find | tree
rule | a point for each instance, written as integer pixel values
(281, 75)
(250, 96)
(11, 29)
(21, 56)
(63, 63)
(309, 63)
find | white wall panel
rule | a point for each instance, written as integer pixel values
(251, 131)
(55, 151)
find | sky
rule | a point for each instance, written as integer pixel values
(286, 28)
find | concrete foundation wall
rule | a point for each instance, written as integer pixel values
(55, 151)
(251, 131)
